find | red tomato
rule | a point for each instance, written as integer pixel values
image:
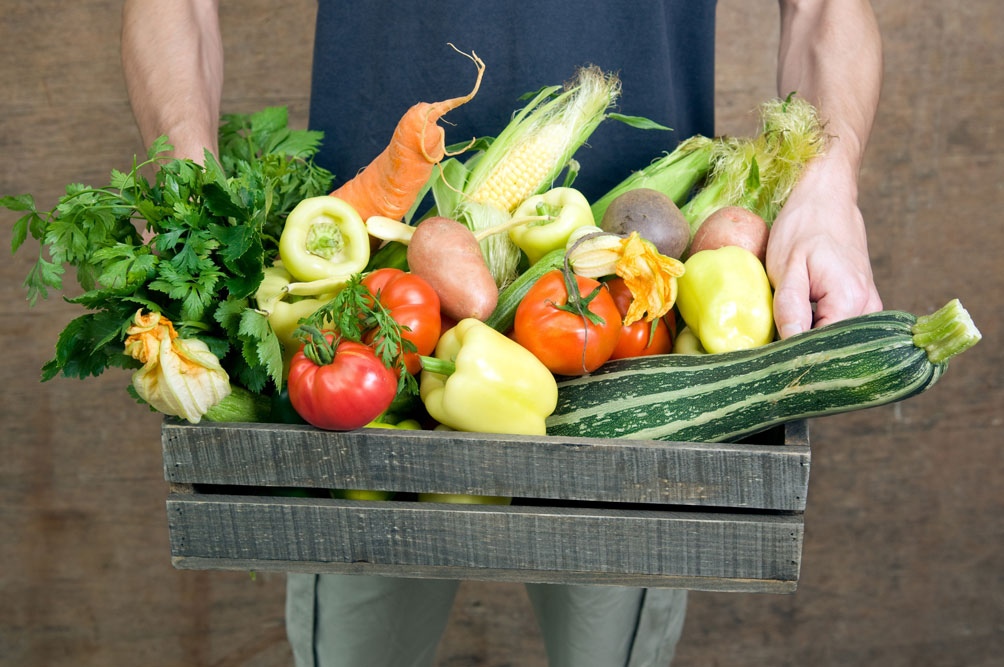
(350, 392)
(414, 305)
(565, 341)
(637, 339)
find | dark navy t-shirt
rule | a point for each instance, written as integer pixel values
(375, 59)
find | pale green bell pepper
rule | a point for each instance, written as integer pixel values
(726, 299)
(480, 380)
(551, 219)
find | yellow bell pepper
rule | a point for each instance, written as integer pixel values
(726, 299)
(551, 219)
(324, 240)
(403, 425)
(283, 310)
(480, 380)
(686, 342)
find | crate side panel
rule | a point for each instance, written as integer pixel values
(725, 475)
(713, 584)
(475, 539)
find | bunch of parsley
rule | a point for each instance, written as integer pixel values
(214, 230)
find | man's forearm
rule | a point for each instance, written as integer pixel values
(172, 56)
(817, 254)
(831, 54)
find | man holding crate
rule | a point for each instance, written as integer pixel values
(663, 51)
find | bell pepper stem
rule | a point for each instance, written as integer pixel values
(440, 366)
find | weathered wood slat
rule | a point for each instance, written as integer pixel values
(508, 576)
(646, 547)
(773, 475)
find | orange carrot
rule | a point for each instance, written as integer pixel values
(390, 184)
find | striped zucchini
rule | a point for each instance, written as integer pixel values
(858, 363)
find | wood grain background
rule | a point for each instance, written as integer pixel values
(903, 562)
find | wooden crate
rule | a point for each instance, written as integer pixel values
(721, 517)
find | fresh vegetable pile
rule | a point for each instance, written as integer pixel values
(246, 290)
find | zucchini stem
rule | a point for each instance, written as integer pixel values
(946, 332)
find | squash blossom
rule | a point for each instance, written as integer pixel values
(649, 275)
(180, 376)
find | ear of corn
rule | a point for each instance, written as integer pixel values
(537, 144)
(525, 168)
(759, 173)
(527, 157)
(674, 174)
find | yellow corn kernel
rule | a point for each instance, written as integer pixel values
(524, 169)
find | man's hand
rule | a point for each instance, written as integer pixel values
(817, 254)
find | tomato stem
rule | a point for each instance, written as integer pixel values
(577, 303)
(317, 346)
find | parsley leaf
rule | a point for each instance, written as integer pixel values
(215, 228)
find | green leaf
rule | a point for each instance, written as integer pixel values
(218, 197)
(219, 201)
(125, 265)
(638, 122)
(234, 241)
(196, 293)
(261, 345)
(87, 346)
(42, 276)
(136, 301)
(159, 146)
(18, 202)
(246, 275)
(29, 222)
(268, 121)
(20, 232)
(228, 315)
(298, 143)
(153, 212)
(122, 180)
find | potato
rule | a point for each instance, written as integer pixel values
(445, 253)
(653, 215)
(732, 225)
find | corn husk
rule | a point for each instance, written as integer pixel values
(526, 158)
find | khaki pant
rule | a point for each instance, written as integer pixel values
(350, 620)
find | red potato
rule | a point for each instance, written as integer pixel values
(448, 256)
(732, 225)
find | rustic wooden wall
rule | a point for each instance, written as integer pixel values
(903, 561)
